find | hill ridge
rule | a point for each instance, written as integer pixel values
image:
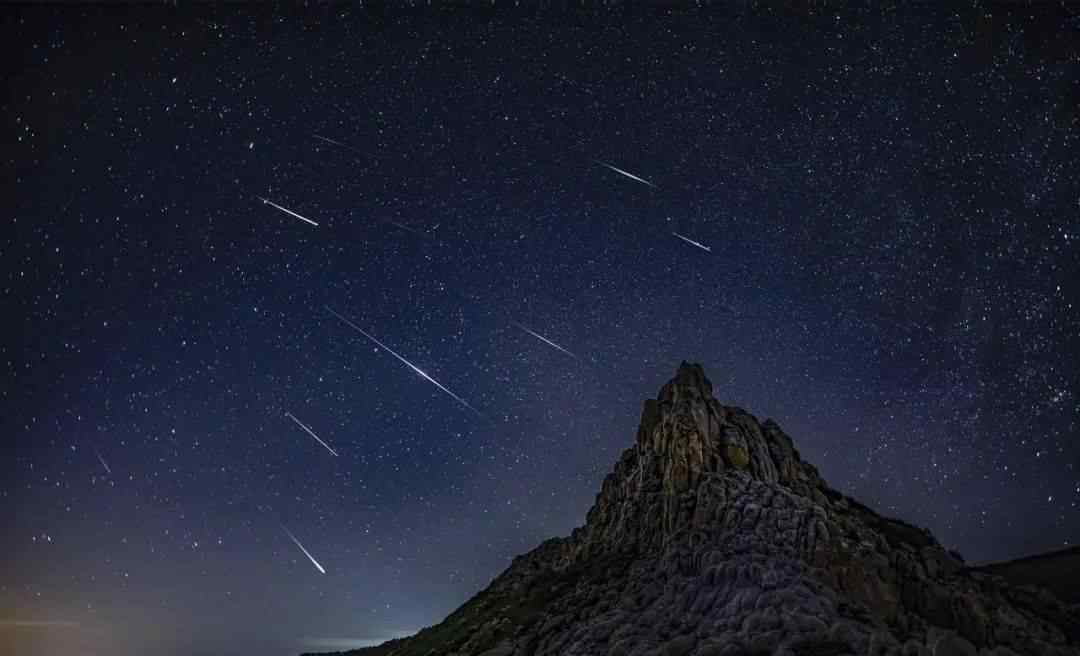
(712, 537)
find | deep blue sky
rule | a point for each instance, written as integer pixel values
(890, 199)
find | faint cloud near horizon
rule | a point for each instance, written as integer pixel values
(354, 643)
(38, 624)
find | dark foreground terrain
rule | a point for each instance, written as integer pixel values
(1058, 572)
(712, 537)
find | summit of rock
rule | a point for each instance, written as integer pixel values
(712, 537)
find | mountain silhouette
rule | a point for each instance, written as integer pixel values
(712, 537)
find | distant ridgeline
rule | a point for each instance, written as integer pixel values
(712, 537)
(1058, 572)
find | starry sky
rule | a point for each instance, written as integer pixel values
(886, 213)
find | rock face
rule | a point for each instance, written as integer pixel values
(712, 537)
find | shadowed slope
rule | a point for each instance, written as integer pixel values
(1058, 572)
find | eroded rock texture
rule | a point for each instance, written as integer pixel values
(712, 537)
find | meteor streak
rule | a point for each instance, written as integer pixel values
(337, 143)
(310, 557)
(102, 461)
(545, 340)
(423, 374)
(626, 173)
(691, 241)
(406, 228)
(286, 210)
(309, 432)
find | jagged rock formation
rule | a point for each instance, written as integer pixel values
(712, 537)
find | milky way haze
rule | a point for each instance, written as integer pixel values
(865, 226)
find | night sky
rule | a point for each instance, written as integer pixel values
(886, 211)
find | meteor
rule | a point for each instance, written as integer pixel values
(310, 557)
(691, 241)
(102, 461)
(545, 340)
(627, 174)
(337, 143)
(406, 228)
(310, 432)
(423, 374)
(286, 210)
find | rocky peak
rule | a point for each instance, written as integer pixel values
(690, 380)
(711, 537)
(687, 439)
(688, 433)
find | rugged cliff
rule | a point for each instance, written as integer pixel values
(712, 537)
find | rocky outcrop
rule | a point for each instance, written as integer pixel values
(712, 537)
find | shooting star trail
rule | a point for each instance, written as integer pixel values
(406, 228)
(695, 243)
(310, 557)
(102, 461)
(627, 174)
(338, 143)
(423, 374)
(309, 432)
(286, 210)
(545, 340)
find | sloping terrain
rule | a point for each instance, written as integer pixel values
(712, 537)
(1058, 572)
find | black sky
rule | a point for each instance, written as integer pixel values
(890, 199)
